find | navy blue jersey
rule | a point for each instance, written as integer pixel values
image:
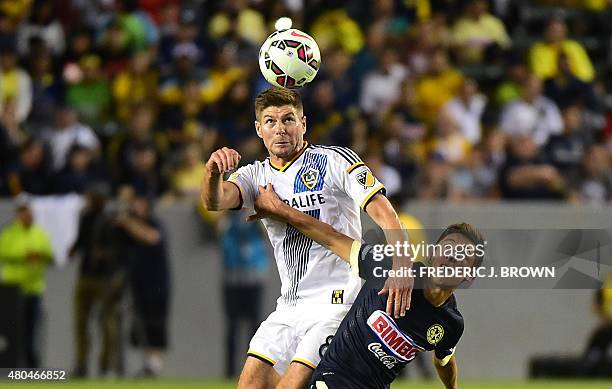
(370, 348)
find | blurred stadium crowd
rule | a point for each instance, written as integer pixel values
(444, 99)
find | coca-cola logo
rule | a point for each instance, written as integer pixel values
(388, 360)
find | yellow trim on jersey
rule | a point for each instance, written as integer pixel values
(286, 166)
(321, 385)
(444, 361)
(354, 166)
(374, 191)
(240, 193)
(354, 257)
(260, 355)
(305, 362)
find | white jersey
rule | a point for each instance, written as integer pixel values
(329, 183)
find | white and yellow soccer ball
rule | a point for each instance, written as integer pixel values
(289, 58)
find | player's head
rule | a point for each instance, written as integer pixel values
(459, 245)
(280, 121)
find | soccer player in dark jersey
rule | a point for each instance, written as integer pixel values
(370, 347)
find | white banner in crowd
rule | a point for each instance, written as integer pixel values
(59, 215)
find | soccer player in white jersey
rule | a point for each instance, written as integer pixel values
(329, 183)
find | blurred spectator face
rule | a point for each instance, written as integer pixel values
(572, 118)
(496, 142)
(468, 89)
(41, 65)
(532, 87)
(226, 58)
(192, 91)
(116, 38)
(439, 61)
(376, 36)
(33, 155)
(144, 160)
(447, 125)
(8, 60)
(42, 12)
(193, 155)
(383, 8)
(597, 161)
(142, 120)
(9, 112)
(80, 159)
(65, 118)
(24, 216)
(239, 92)
(324, 95)
(91, 67)
(517, 72)
(141, 61)
(556, 31)
(80, 43)
(338, 62)
(477, 8)
(523, 147)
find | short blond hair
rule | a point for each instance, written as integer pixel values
(277, 97)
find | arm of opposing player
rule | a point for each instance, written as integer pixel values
(447, 371)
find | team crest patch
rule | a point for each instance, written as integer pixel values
(435, 334)
(310, 177)
(233, 176)
(366, 179)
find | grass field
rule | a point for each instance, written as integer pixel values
(205, 384)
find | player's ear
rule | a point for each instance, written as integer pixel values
(258, 129)
(304, 124)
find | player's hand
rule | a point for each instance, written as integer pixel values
(223, 160)
(267, 203)
(398, 289)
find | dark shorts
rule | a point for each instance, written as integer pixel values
(332, 380)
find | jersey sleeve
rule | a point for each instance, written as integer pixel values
(244, 179)
(446, 348)
(364, 260)
(354, 178)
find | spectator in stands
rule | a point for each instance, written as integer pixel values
(544, 55)
(25, 253)
(141, 31)
(47, 92)
(387, 174)
(472, 179)
(336, 69)
(596, 358)
(565, 151)
(43, 23)
(527, 174)
(15, 83)
(114, 47)
(143, 248)
(366, 60)
(233, 118)
(135, 85)
(566, 89)
(143, 173)
(434, 178)
(467, 109)
(30, 173)
(186, 180)
(427, 36)
(595, 186)
(239, 15)
(80, 44)
(245, 272)
(478, 35)
(381, 87)
(90, 95)
(449, 142)
(533, 115)
(12, 137)
(326, 120)
(335, 27)
(66, 133)
(224, 72)
(509, 89)
(79, 172)
(100, 282)
(186, 56)
(437, 86)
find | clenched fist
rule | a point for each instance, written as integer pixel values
(223, 160)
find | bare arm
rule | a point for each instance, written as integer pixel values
(216, 194)
(268, 204)
(139, 230)
(448, 372)
(399, 289)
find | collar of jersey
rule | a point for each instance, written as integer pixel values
(286, 166)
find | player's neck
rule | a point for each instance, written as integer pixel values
(282, 161)
(436, 296)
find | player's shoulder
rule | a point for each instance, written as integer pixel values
(340, 153)
(455, 317)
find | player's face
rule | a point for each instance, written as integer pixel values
(450, 256)
(282, 130)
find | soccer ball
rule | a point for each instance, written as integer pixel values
(289, 58)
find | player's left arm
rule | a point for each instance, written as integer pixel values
(447, 371)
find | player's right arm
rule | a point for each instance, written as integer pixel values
(447, 371)
(217, 194)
